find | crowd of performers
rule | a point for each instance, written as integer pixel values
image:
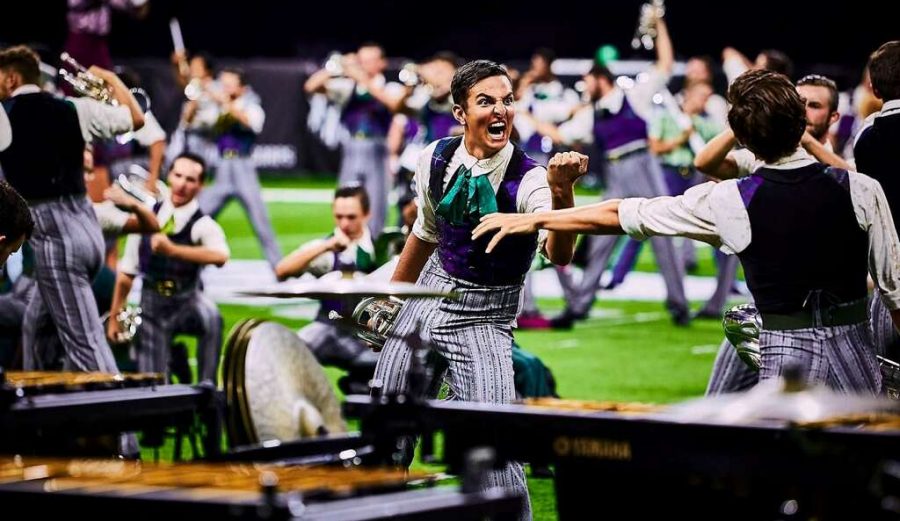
(482, 161)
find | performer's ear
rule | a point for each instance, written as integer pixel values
(459, 114)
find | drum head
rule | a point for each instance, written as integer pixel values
(275, 389)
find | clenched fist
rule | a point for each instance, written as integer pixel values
(566, 167)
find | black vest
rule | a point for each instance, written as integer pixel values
(46, 157)
(877, 153)
(805, 238)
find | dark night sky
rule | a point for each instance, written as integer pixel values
(807, 31)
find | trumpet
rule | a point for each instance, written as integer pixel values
(129, 319)
(645, 33)
(372, 319)
(88, 84)
(85, 82)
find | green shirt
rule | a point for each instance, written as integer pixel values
(664, 128)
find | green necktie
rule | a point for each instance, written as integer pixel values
(470, 198)
(169, 227)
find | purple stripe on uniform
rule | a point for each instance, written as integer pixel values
(748, 186)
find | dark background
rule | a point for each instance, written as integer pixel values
(810, 32)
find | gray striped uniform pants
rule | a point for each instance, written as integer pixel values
(884, 334)
(637, 175)
(842, 357)
(68, 247)
(729, 373)
(189, 312)
(236, 177)
(364, 163)
(472, 337)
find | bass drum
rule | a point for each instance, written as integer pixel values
(275, 389)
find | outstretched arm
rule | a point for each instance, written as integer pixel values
(598, 219)
(562, 172)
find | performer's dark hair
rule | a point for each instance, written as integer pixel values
(237, 71)
(190, 156)
(547, 54)
(601, 71)
(884, 71)
(470, 74)
(817, 80)
(354, 191)
(767, 114)
(777, 61)
(23, 60)
(15, 216)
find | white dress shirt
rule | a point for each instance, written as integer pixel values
(580, 129)
(95, 119)
(533, 195)
(715, 213)
(206, 232)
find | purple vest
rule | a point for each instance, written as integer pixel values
(466, 259)
(612, 131)
(366, 117)
(437, 123)
(156, 268)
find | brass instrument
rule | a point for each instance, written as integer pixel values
(409, 75)
(134, 183)
(335, 64)
(129, 319)
(645, 33)
(193, 90)
(372, 319)
(88, 84)
(85, 82)
(742, 324)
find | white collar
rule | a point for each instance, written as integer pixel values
(798, 159)
(182, 214)
(890, 108)
(486, 165)
(613, 100)
(28, 88)
(364, 242)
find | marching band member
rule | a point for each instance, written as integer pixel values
(44, 163)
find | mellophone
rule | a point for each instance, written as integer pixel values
(636, 461)
(116, 488)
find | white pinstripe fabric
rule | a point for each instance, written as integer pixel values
(472, 336)
(68, 247)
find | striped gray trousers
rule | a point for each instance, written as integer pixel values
(841, 357)
(68, 247)
(236, 177)
(472, 337)
(729, 373)
(364, 162)
(637, 175)
(884, 334)
(189, 312)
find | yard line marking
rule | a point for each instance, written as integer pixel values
(704, 349)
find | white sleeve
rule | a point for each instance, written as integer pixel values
(207, 233)
(425, 227)
(641, 95)
(874, 216)
(710, 212)
(101, 120)
(110, 217)
(746, 161)
(129, 264)
(323, 263)
(733, 67)
(339, 90)
(5, 129)
(151, 132)
(534, 196)
(256, 117)
(579, 129)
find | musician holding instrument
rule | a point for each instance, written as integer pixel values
(349, 248)
(44, 163)
(238, 120)
(356, 82)
(169, 262)
(616, 120)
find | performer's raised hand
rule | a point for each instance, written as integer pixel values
(565, 168)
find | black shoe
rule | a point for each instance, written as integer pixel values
(681, 317)
(708, 314)
(566, 319)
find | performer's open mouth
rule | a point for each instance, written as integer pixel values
(497, 130)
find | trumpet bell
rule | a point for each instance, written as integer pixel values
(742, 325)
(134, 183)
